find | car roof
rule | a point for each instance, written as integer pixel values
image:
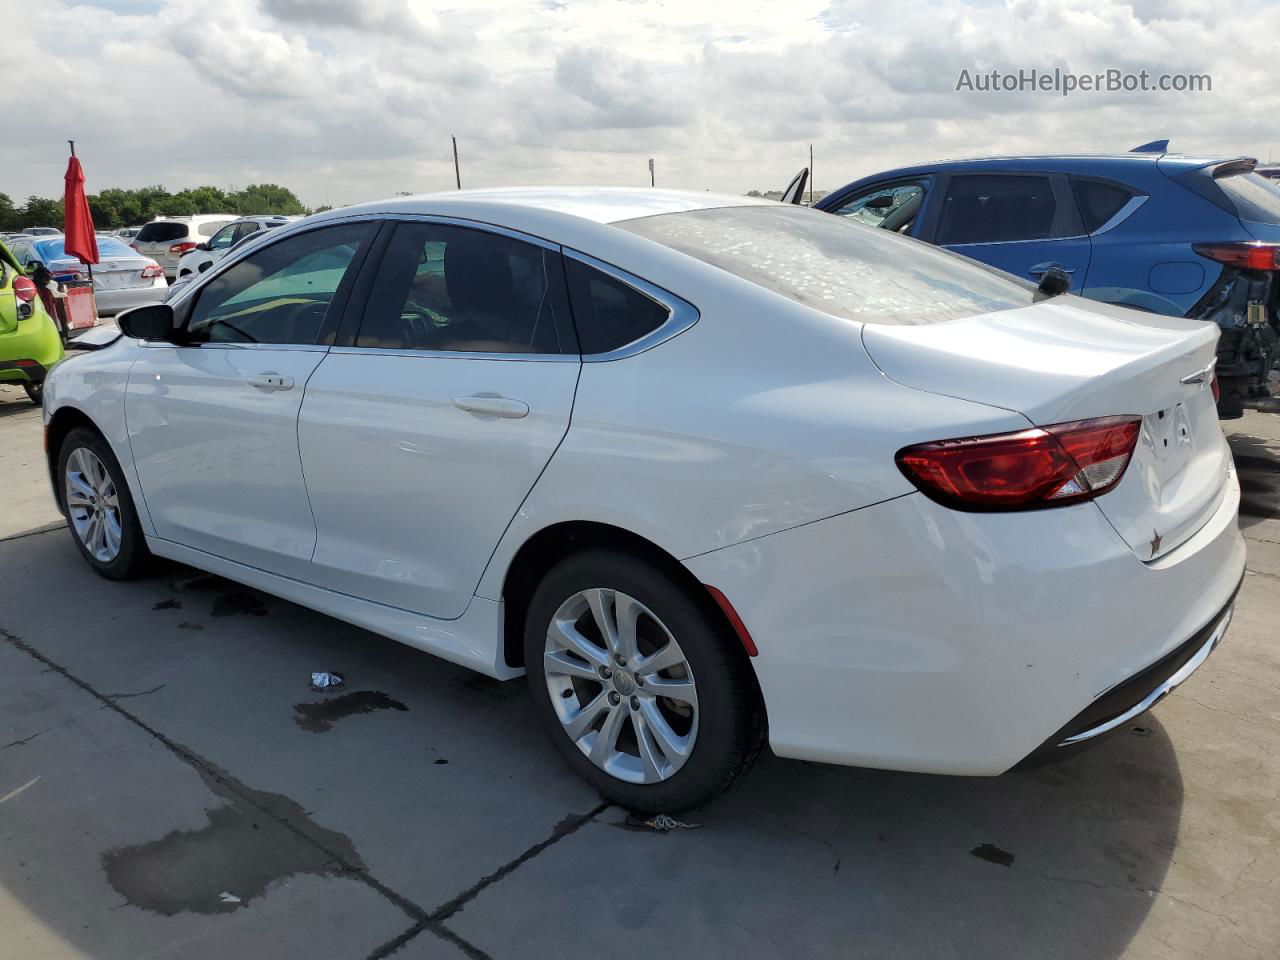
(597, 204)
(1100, 163)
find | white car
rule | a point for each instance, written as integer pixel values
(709, 469)
(168, 239)
(206, 254)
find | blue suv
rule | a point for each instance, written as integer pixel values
(1187, 236)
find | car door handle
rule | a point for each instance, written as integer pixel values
(493, 407)
(270, 381)
(1041, 268)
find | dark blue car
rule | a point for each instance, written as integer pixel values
(1187, 236)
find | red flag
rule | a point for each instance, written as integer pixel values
(80, 240)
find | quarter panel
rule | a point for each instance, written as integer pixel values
(908, 636)
(763, 416)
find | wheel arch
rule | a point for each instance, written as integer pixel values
(548, 546)
(64, 420)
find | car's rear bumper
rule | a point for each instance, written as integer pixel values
(1131, 698)
(908, 636)
(22, 371)
(113, 301)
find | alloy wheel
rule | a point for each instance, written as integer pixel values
(93, 505)
(620, 685)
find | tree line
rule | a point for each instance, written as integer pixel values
(114, 208)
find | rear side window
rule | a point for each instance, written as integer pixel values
(608, 313)
(996, 209)
(453, 289)
(1255, 197)
(159, 232)
(835, 265)
(1098, 202)
(212, 227)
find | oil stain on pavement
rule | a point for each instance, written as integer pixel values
(253, 839)
(320, 716)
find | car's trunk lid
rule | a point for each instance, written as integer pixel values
(1066, 360)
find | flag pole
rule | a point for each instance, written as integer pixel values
(88, 266)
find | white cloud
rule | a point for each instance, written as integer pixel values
(345, 100)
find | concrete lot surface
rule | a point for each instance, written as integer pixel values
(170, 787)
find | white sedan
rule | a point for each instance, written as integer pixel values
(712, 471)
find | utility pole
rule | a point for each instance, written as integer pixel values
(811, 174)
(457, 174)
(651, 180)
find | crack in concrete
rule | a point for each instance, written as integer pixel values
(208, 770)
(18, 743)
(432, 922)
(128, 696)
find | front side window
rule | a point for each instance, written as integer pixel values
(836, 265)
(446, 288)
(893, 207)
(280, 294)
(996, 209)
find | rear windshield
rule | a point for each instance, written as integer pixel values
(162, 231)
(836, 265)
(1255, 197)
(51, 250)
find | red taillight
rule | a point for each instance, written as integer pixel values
(180, 248)
(25, 364)
(24, 288)
(152, 271)
(1042, 467)
(1217, 390)
(1246, 256)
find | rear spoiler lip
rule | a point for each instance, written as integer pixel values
(1217, 168)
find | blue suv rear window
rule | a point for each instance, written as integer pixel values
(1255, 197)
(1098, 202)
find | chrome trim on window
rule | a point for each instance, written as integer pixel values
(681, 315)
(480, 225)
(457, 354)
(236, 345)
(1123, 214)
(1160, 692)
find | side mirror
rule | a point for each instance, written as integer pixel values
(882, 202)
(202, 246)
(151, 322)
(1054, 282)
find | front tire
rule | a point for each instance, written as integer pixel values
(100, 511)
(641, 687)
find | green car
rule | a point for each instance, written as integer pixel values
(29, 341)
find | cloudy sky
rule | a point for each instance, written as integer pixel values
(348, 100)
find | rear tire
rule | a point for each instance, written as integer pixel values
(35, 393)
(659, 712)
(100, 511)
